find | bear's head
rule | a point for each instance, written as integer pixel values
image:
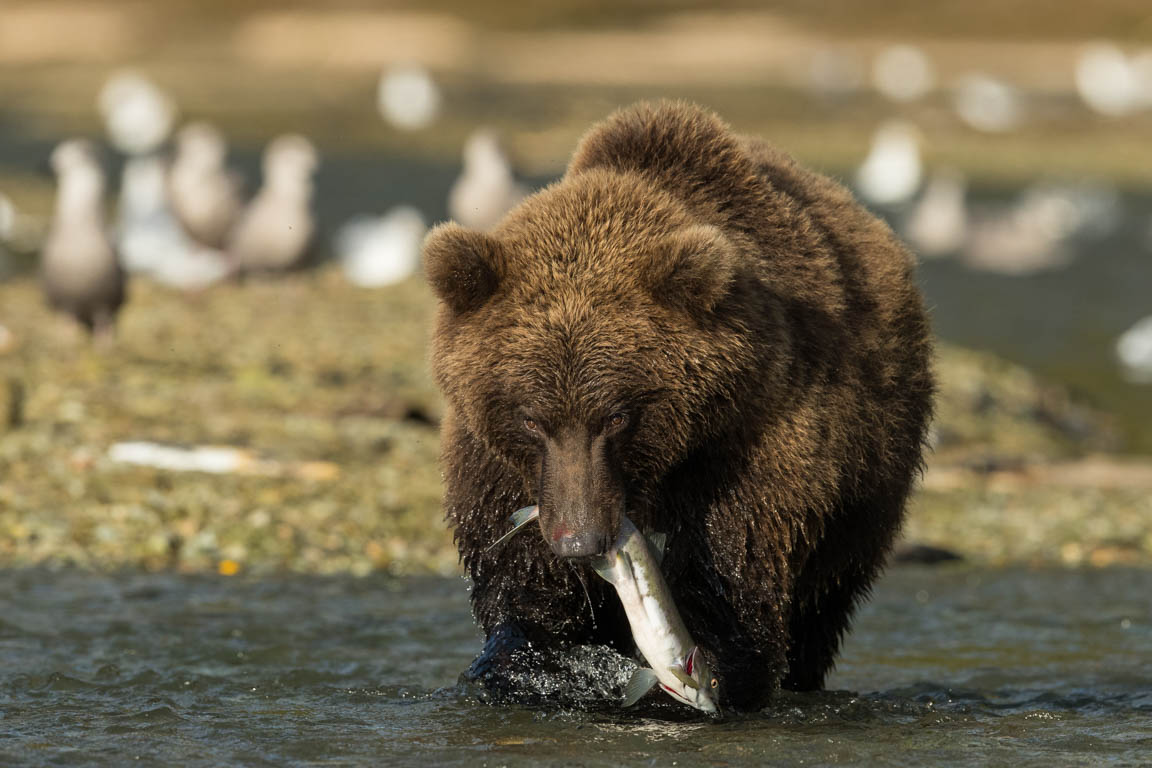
(585, 342)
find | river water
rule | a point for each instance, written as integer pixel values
(948, 665)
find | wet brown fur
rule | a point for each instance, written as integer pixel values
(766, 334)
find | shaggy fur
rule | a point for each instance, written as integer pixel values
(765, 336)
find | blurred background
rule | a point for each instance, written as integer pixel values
(285, 420)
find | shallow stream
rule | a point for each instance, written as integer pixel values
(945, 666)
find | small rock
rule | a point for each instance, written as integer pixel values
(1114, 554)
(924, 554)
(11, 404)
(1072, 553)
(7, 340)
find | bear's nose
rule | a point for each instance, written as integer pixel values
(585, 544)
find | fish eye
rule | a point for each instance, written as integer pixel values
(714, 683)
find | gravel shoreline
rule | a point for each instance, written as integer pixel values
(320, 394)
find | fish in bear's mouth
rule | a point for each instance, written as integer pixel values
(632, 565)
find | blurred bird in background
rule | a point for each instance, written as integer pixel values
(205, 194)
(891, 173)
(486, 188)
(276, 230)
(939, 221)
(375, 252)
(80, 271)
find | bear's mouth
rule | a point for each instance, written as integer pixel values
(581, 496)
(579, 545)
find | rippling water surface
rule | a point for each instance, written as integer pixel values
(1027, 667)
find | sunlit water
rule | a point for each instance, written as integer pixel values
(944, 666)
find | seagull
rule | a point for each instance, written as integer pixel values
(939, 221)
(486, 189)
(79, 270)
(987, 104)
(834, 73)
(891, 173)
(151, 240)
(1134, 351)
(205, 195)
(1107, 81)
(903, 73)
(146, 230)
(274, 232)
(381, 251)
(1030, 236)
(138, 115)
(7, 217)
(408, 97)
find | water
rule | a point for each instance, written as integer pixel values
(945, 666)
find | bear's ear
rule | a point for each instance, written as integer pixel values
(462, 266)
(693, 268)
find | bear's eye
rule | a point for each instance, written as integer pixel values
(617, 420)
(531, 425)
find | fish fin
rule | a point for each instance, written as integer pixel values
(519, 519)
(639, 684)
(690, 659)
(604, 566)
(524, 515)
(683, 676)
(657, 541)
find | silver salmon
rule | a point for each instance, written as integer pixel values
(632, 566)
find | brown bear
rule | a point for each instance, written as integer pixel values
(690, 329)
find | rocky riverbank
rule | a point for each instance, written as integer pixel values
(325, 422)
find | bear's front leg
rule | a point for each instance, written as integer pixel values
(511, 669)
(554, 631)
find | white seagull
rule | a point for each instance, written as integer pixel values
(987, 104)
(138, 115)
(1134, 351)
(939, 221)
(486, 188)
(384, 250)
(408, 97)
(1107, 81)
(151, 240)
(275, 231)
(891, 173)
(205, 195)
(903, 73)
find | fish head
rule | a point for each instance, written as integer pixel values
(694, 683)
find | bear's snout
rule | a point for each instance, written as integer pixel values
(581, 496)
